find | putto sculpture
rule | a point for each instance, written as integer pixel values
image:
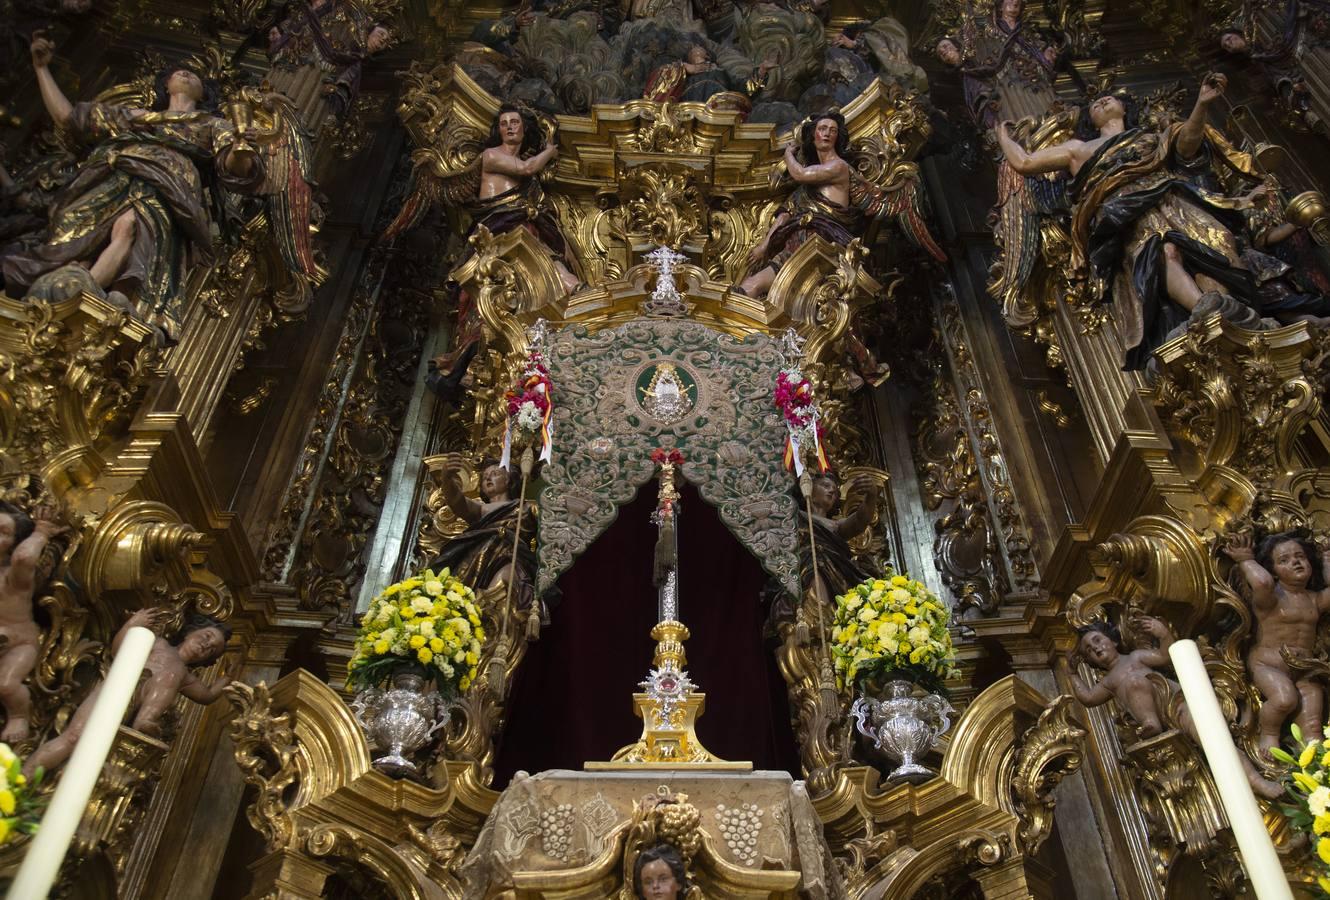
(200, 642)
(23, 542)
(1285, 583)
(1131, 679)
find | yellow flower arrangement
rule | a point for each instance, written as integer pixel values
(892, 624)
(20, 806)
(1308, 784)
(428, 625)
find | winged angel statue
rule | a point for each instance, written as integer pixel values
(496, 179)
(159, 171)
(1154, 220)
(840, 193)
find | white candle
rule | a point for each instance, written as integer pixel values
(1264, 873)
(47, 851)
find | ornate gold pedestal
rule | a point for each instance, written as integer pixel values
(668, 737)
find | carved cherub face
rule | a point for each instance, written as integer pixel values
(511, 128)
(825, 133)
(202, 645)
(1233, 42)
(948, 52)
(1098, 649)
(1291, 565)
(183, 81)
(377, 39)
(494, 482)
(698, 55)
(1106, 109)
(1012, 9)
(658, 881)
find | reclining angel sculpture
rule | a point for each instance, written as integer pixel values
(1148, 228)
(137, 213)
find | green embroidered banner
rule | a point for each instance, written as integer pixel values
(624, 391)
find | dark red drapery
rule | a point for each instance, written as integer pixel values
(572, 697)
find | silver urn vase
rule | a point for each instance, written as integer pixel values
(903, 726)
(400, 720)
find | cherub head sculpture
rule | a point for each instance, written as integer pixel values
(201, 640)
(1292, 559)
(1099, 644)
(659, 874)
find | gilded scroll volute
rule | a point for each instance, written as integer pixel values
(71, 373)
(140, 548)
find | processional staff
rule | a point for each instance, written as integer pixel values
(530, 423)
(794, 397)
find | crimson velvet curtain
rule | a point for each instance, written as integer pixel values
(572, 697)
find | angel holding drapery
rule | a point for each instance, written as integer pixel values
(136, 214)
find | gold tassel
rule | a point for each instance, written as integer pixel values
(533, 623)
(498, 676)
(802, 637)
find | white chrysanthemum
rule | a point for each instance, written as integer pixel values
(434, 588)
(421, 605)
(1319, 800)
(528, 416)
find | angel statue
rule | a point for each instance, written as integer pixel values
(1288, 40)
(1006, 65)
(136, 213)
(831, 200)
(485, 555)
(1147, 231)
(500, 187)
(318, 50)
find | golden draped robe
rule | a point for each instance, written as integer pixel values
(147, 164)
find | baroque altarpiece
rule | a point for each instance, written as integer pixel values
(276, 276)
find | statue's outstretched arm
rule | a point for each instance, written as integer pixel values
(54, 99)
